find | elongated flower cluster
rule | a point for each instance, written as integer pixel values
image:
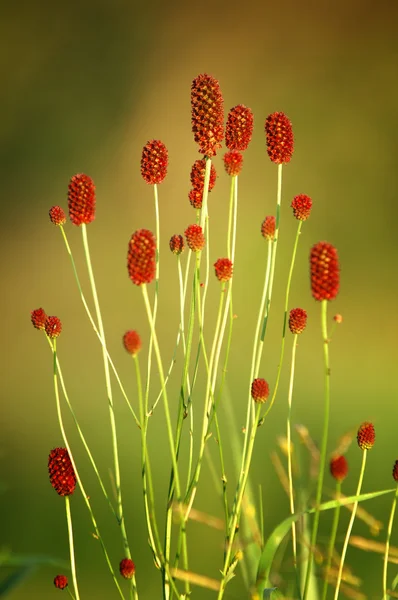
(53, 327)
(198, 180)
(338, 467)
(268, 227)
(61, 582)
(177, 244)
(301, 206)
(61, 471)
(233, 162)
(38, 318)
(81, 199)
(154, 161)
(297, 320)
(223, 268)
(141, 256)
(127, 568)
(366, 436)
(207, 106)
(279, 133)
(239, 128)
(57, 215)
(132, 342)
(259, 390)
(325, 273)
(195, 238)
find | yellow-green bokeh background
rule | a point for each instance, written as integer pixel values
(85, 85)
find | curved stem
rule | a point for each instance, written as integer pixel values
(289, 449)
(389, 530)
(71, 547)
(332, 541)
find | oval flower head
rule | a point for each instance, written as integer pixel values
(239, 128)
(207, 106)
(325, 271)
(81, 199)
(141, 254)
(279, 134)
(154, 161)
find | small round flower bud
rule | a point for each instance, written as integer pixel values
(268, 227)
(57, 215)
(279, 132)
(154, 161)
(127, 568)
(301, 206)
(325, 275)
(39, 318)
(233, 162)
(53, 327)
(81, 199)
(207, 114)
(395, 471)
(338, 467)
(141, 256)
(132, 342)
(297, 320)
(177, 244)
(61, 471)
(260, 390)
(223, 268)
(366, 436)
(239, 128)
(338, 319)
(195, 238)
(61, 582)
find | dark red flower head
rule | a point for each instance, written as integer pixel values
(260, 390)
(301, 206)
(339, 467)
(198, 175)
(81, 199)
(53, 327)
(395, 471)
(297, 320)
(39, 318)
(61, 582)
(127, 568)
(280, 143)
(366, 436)
(223, 268)
(132, 342)
(154, 161)
(195, 238)
(61, 471)
(207, 106)
(239, 128)
(268, 227)
(57, 215)
(233, 162)
(325, 272)
(177, 244)
(141, 257)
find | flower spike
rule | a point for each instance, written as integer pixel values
(154, 161)
(57, 215)
(53, 327)
(207, 114)
(61, 472)
(127, 568)
(268, 227)
(81, 199)
(279, 133)
(366, 436)
(61, 582)
(260, 390)
(239, 128)
(39, 318)
(177, 244)
(339, 467)
(297, 320)
(233, 162)
(301, 206)
(195, 238)
(325, 272)
(223, 268)
(141, 257)
(132, 342)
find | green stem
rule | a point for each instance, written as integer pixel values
(389, 530)
(332, 541)
(71, 547)
(289, 449)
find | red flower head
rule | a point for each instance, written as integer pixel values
(57, 215)
(61, 582)
(301, 206)
(338, 467)
(366, 436)
(62, 474)
(268, 227)
(233, 162)
(239, 129)
(53, 327)
(141, 257)
(39, 318)
(395, 471)
(177, 244)
(81, 199)
(127, 568)
(198, 175)
(132, 342)
(207, 114)
(154, 162)
(260, 390)
(297, 320)
(325, 276)
(338, 318)
(278, 129)
(223, 268)
(195, 238)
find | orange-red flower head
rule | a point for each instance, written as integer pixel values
(57, 215)
(268, 227)
(61, 582)
(154, 161)
(195, 238)
(325, 271)
(81, 199)
(141, 257)
(301, 206)
(207, 106)
(233, 162)
(366, 436)
(53, 327)
(39, 318)
(198, 180)
(177, 244)
(338, 467)
(280, 143)
(297, 320)
(395, 471)
(260, 390)
(61, 471)
(239, 128)
(127, 568)
(223, 268)
(132, 342)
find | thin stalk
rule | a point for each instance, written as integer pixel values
(347, 537)
(322, 461)
(289, 449)
(71, 547)
(332, 541)
(389, 530)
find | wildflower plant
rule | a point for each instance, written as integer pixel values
(267, 566)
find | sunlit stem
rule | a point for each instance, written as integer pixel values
(71, 547)
(332, 541)
(290, 448)
(389, 531)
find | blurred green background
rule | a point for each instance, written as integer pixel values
(84, 86)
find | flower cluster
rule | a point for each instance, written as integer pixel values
(301, 206)
(223, 268)
(325, 272)
(132, 342)
(177, 244)
(268, 227)
(297, 320)
(154, 161)
(141, 257)
(366, 436)
(207, 106)
(62, 474)
(81, 199)
(198, 180)
(195, 238)
(259, 390)
(279, 132)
